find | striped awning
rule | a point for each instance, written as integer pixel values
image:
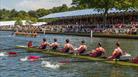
(83, 13)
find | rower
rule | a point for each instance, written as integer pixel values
(99, 51)
(82, 48)
(68, 48)
(117, 53)
(44, 44)
(30, 44)
(54, 45)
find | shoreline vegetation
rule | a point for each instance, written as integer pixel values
(101, 35)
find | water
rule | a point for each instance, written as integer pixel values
(50, 67)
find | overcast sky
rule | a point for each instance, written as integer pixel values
(32, 4)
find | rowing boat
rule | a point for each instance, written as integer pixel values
(26, 34)
(56, 53)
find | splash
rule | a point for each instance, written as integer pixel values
(24, 59)
(30, 58)
(3, 54)
(48, 64)
(21, 46)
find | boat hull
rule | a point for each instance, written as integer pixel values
(56, 53)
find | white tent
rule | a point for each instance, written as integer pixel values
(9, 23)
(12, 23)
(39, 23)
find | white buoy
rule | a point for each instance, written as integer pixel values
(91, 34)
(44, 32)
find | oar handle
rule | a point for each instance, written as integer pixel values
(9, 48)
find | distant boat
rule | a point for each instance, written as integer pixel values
(26, 34)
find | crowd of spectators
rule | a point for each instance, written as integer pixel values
(26, 28)
(22, 28)
(7, 27)
(114, 24)
(66, 28)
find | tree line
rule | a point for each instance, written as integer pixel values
(100, 5)
(33, 15)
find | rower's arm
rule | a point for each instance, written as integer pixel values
(113, 52)
(86, 48)
(58, 44)
(48, 44)
(51, 45)
(64, 45)
(79, 47)
(72, 47)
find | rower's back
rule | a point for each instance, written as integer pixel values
(43, 44)
(55, 45)
(82, 48)
(118, 51)
(68, 46)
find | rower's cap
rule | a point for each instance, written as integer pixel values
(99, 44)
(55, 39)
(117, 44)
(83, 41)
(67, 40)
(44, 39)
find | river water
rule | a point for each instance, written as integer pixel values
(50, 67)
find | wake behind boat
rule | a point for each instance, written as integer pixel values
(48, 64)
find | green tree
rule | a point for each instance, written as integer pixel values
(33, 13)
(28, 22)
(13, 14)
(63, 8)
(42, 12)
(34, 20)
(23, 15)
(4, 14)
(18, 22)
(59, 9)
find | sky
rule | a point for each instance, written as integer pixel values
(32, 4)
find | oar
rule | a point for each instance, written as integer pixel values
(9, 48)
(45, 56)
(6, 45)
(12, 47)
(75, 61)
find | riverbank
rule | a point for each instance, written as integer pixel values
(124, 36)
